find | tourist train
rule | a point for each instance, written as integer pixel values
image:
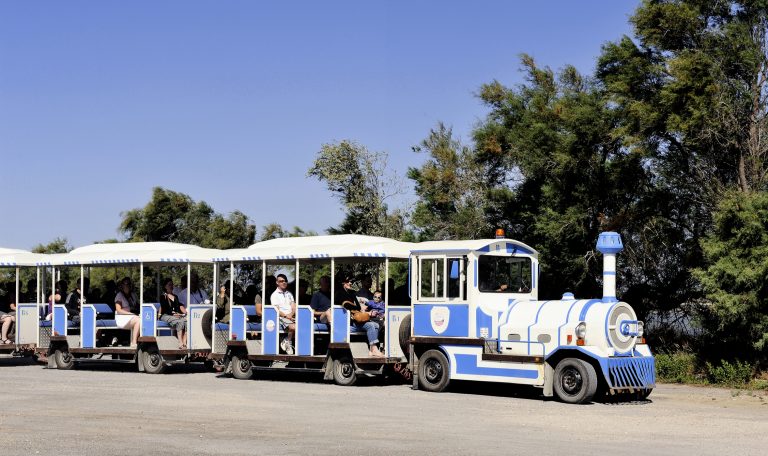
(453, 310)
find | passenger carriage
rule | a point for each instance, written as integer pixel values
(340, 349)
(97, 338)
(28, 314)
(476, 316)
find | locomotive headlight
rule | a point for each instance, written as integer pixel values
(581, 330)
(640, 329)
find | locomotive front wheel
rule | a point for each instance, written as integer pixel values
(344, 371)
(64, 359)
(434, 371)
(644, 393)
(575, 381)
(153, 361)
(241, 367)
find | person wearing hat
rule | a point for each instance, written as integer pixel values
(347, 297)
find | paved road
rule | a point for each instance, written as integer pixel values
(117, 411)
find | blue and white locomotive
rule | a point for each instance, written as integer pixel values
(476, 316)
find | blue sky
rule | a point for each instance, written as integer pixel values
(230, 101)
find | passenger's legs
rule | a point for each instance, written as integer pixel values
(371, 329)
(135, 326)
(7, 320)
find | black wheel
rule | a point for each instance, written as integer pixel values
(241, 367)
(643, 394)
(153, 361)
(405, 334)
(64, 359)
(344, 371)
(575, 381)
(434, 371)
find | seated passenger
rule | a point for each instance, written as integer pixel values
(196, 295)
(349, 301)
(126, 309)
(75, 300)
(365, 287)
(173, 312)
(222, 303)
(286, 308)
(321, 301)
(7, 317)
(110, 291)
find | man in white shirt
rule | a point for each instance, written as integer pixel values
(286, 308)
(196, 295)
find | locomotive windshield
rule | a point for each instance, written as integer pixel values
(503, 274)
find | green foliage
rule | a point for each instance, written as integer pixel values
(736, 374)
(275, 230)
(452, 190)
(558, 173)
(175, 217)
(677, 367)
(58, 245)
(735, 274)
(362, 182)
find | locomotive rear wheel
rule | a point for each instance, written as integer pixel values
(434, 371)
(575, 381)
(344, 371)
(241, 367)
(64, 359)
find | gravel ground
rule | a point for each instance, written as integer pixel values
(101, 411)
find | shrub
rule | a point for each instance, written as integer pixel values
(676, 367)
(736, 374)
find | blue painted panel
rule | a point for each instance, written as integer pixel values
(270, 337)
(304, 320)
(467, 364)
(148, 321)
(59, 320)
(88, 327)
(339, 326)
(237, 320)
(483, 320)
(457, 324)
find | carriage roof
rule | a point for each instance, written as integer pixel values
(134, 253)
(18, 257)
(318, 247)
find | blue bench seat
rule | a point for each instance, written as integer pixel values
(321, 327)
(222, 327)
(162, 324)
(253, 326)
(106, 324)
(48, 324)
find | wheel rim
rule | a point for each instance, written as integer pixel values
(153, 360)
(433, 370)
(571, 380)
(242, 365)
(346, 370)
(66, 357)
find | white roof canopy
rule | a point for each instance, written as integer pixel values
(16, 257)
(475, 245)
(318, 247)
(134, 253)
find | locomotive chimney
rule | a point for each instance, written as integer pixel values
(609, 244)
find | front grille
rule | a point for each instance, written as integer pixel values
(631, 372)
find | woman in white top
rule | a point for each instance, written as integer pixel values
(126, 309)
